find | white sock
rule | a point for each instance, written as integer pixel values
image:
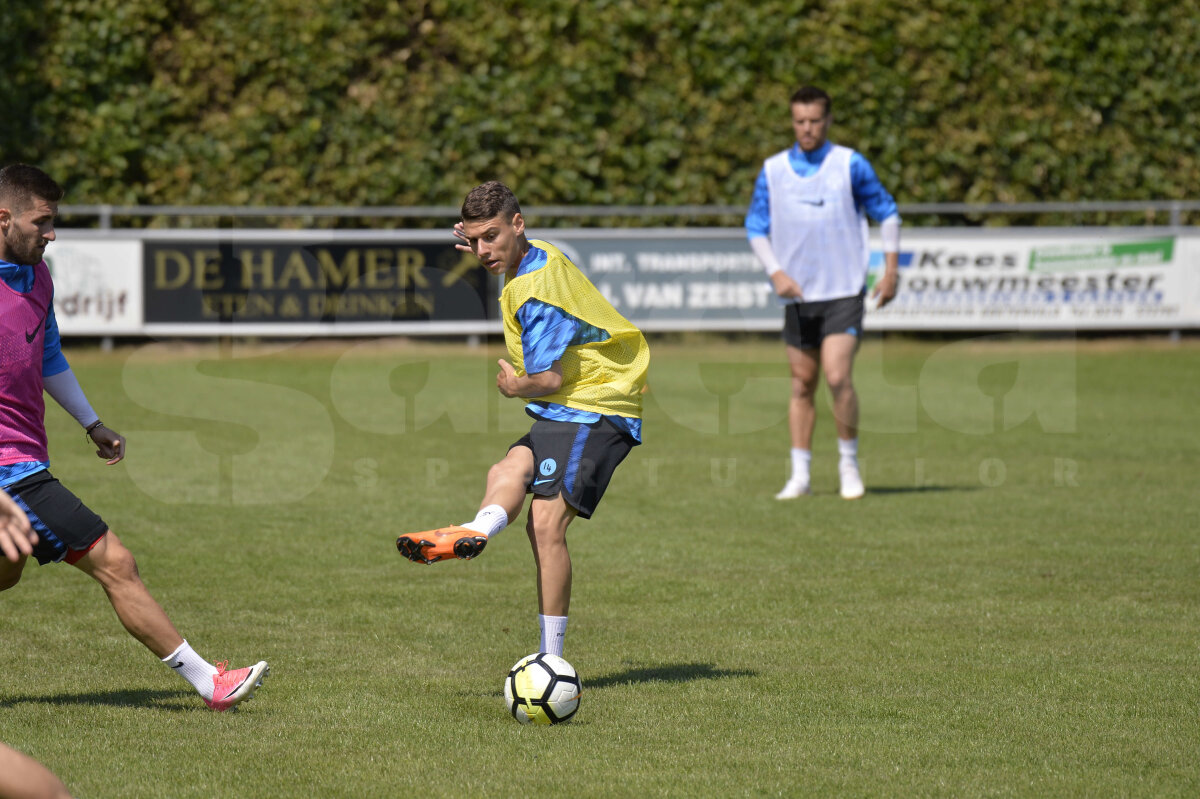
(801, 458)
(848, 452)
(187, 664)
(489, 520)
(553, 628)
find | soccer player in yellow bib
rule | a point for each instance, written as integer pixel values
(581, 369)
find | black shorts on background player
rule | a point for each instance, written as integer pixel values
(806, 324)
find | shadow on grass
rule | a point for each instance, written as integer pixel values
(159, 700)
(917, 489)
(679, 672)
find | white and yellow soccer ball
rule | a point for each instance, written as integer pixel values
(542, 689)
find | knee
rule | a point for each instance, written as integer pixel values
(840, 383)
(497, 471)
(537, 526)
(803, 389)
(506, 471)
(116, 566)
(548, 549)
(124, 566)
(546, 533)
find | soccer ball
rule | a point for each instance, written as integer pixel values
(542, 689)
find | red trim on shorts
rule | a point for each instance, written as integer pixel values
(76, 555)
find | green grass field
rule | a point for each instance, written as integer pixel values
(1012, 610)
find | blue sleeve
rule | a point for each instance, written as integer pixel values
(869, 193)
(546, 330)
(53, 360)
(758, 218)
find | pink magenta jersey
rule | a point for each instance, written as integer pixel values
(22, 335)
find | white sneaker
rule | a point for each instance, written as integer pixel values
(852, 484)
(794, 488)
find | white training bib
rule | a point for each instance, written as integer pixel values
(816, 232)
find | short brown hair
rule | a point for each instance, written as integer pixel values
(21, 183)
(488, 201)
(807, 95)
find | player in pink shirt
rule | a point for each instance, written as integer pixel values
(31, 361)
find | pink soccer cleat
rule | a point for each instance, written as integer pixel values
(232, 687)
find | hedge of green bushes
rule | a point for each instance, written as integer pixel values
(384, 102)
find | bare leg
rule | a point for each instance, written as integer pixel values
(837, 359)
(113, 566)
(547, 529)
(506, 481)
(802, 415)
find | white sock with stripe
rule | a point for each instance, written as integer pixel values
(187, 664)
(554, 629)
(489, 521)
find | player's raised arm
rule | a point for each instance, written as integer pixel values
(64, 387)
(463, 244)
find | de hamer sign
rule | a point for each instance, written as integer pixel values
(290, 282)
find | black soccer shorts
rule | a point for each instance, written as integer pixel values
(806, 324)
(67, 529)
(575, 460)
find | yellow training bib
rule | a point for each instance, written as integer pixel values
(606, 377)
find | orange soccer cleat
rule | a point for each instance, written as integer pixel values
(441, 544)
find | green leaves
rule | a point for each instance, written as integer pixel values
(606, 102)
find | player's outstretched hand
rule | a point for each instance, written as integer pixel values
(110, 444)
(16, 535)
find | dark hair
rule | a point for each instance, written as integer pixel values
(488, 201)
(21, 183)
(811, 94)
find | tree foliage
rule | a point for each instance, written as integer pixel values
(412, 102)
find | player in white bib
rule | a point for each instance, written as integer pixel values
(807, 224)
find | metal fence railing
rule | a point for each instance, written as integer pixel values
(1173, 213)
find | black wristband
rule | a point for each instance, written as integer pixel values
(87, 431)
